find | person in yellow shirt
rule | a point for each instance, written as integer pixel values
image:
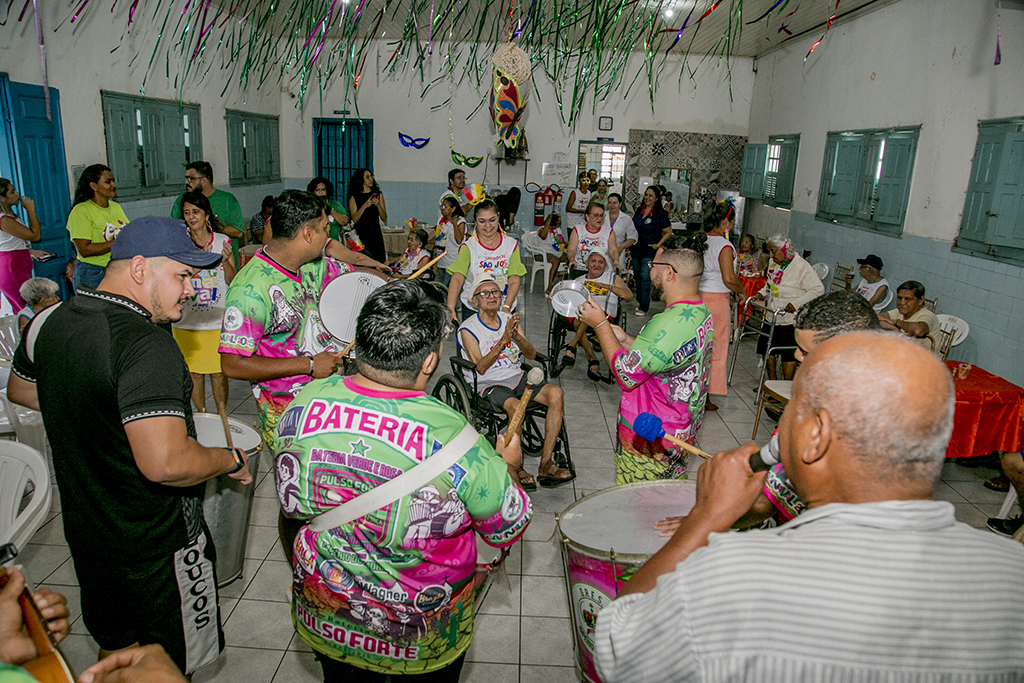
(911, 317)
(94, 221)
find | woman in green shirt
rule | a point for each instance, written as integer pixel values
(94, 221)
(322, 187)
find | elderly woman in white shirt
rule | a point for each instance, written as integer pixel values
(791, 283)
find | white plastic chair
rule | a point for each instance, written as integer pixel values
(19, 465)
(9, 336)
(538, 248)
(821, 270)
(960, 327)
(26, 423)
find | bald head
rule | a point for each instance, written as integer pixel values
(889, 401)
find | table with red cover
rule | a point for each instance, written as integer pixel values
(988, 414)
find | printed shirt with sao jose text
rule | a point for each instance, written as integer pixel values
(665, 372)
(271, 312)
(391, 592)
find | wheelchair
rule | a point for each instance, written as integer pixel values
(561, 331)
(455, 392)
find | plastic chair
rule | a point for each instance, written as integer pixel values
(19, 465)
(538, 249)
(842, 278)
(26, 423)
(889, 296)
(9, 336)
(959, 326)
(821, 270)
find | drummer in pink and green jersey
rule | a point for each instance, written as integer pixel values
(392, 592)
(665, 369)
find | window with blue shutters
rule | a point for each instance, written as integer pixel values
(992, 223)
(780, 170)
(253, 148)
(149, 142)
(865, 178)
(752, 178)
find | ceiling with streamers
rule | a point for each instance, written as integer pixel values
(581, 45)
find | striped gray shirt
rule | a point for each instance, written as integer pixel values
(889, 592)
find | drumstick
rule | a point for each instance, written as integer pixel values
(649, 427)
(411, 277)
(227, 430)
(534, 377)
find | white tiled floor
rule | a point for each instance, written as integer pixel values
(523, 633)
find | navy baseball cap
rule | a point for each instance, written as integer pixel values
(871, 260)
(155, 236)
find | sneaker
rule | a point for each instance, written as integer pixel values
(639, 312)
(1006, 527)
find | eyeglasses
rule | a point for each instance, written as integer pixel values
(490, 293)
(194, 177)
(661, 263)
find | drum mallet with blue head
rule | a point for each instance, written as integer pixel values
(648, 426)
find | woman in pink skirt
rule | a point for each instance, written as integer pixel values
(15, 260)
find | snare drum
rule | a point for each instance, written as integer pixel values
(606, 537)
(228, 502)
(341, 301)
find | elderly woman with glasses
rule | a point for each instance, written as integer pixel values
(487, 251)
(791, 283)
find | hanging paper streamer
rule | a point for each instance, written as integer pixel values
(999, 32)
(769, 11)
(407, 141)
(827, 27)
(463, 160)
(782, 26)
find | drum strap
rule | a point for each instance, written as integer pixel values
(35, 325)
(404, 484)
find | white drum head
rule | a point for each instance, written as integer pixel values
(210, 433)
(567, 296)
(341, 301)
(622, 518)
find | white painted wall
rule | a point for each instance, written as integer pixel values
(932, 62)
(395, 105)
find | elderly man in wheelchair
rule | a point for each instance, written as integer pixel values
(494, 346)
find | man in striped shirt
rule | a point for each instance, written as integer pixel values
(876, 581)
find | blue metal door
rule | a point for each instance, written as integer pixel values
(341, 146)
(34, 157)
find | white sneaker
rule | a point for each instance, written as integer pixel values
(638, 312)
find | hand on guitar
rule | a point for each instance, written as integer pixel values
(15, 643)
(148, 664)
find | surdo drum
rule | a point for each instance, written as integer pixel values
(228, 502)
(341, 301)
(606, 537)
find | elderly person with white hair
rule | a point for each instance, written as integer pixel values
(791, 283)
(39, 293)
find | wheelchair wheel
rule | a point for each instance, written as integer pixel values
(556, 336)
(532, 440)
(450, 392)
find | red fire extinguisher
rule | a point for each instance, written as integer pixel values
(539, 202)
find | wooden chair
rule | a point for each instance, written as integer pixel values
(931, 304)
(941, 347)
(778, 390)
(842, 278)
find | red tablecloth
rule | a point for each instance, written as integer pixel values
(988, 415)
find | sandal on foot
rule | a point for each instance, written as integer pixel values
(553, 478)
(526, 480)
(567, 360)
(594, 371)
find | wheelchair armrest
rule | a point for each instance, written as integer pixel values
(539, 360)
(463, 363)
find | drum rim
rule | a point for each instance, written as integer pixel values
(567, 285)
(597, 554)
(215, 416)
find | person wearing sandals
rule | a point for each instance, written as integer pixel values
(492, 339)
(607, 288)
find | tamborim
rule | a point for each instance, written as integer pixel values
(341, 301)
(606, 537)
(567, 296)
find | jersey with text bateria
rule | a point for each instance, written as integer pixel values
(393, 591)
(272, 312)
(665, 372)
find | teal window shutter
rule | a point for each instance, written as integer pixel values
(253, 148)
(752, 177)
(1006, 225)
(867, 168)
(236, 154)
(122, 143)
(984, 169)
(172, 148)
(780, 174)
(844, 176)
(893, 181)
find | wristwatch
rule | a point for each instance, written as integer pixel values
(238, 455)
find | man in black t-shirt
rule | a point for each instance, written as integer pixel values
(114, 391)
